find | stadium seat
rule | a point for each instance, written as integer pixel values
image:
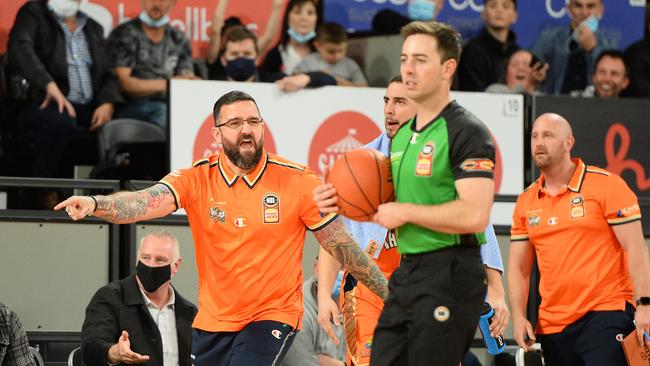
(37, 356)
(75, 357)
(131, 149)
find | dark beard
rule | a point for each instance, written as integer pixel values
(241, 161)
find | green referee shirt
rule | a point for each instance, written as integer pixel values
(426, 165)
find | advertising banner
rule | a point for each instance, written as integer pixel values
(622, 22)
(315, 126)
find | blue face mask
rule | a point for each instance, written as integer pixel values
(146, 19)
(240, 69)
(424, 10)
(336, 290)
(591, 23)
(301, 38)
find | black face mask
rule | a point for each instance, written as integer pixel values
(240, 69)
(153, 277)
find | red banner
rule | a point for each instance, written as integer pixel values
(193, 17)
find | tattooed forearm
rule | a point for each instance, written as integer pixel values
(336, 241)
(128, 207)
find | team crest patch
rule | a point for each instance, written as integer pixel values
(477, 165)
(271, 203)
(217, 214)
(533, 220)
(424, 164)
(577, 207)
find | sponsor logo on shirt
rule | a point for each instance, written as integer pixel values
(577, 207)
(271, 203)
(627, 210)
(424, 165)
(533, 220)
(477, 165)
(276, 333)
(217, 214)
(240, 222)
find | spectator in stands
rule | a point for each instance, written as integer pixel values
(638, 58)
(146, 52)
(142, 317)
(523, 75)
(390, 21)
(571, 51)
(610, 77)
(296, 39)
(14, 347)
(220, 27)
(331, 45)
(61, 53)
(241, 53)
(483, 60)
(312, 346)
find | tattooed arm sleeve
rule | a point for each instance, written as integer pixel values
(336, 241)
(127, 207)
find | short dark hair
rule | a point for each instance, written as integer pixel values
(448, 39)
(331, 33)
(395, 79)
(514, 2)
(238, 33)
(613, 53)
(228, 99)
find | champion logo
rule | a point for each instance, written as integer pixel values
(240, 222)
(276, 333)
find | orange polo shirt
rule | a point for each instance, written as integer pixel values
(582, 265)
(249, 234)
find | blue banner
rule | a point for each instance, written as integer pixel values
(622, 22)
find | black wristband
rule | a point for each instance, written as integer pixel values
(94, 200)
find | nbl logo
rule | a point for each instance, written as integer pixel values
(270, 200)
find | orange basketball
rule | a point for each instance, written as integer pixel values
(363, 181)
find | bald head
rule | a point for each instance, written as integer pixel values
(555, 122)
(551, 141)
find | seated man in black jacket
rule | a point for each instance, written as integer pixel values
(61, 53)
(142, 318)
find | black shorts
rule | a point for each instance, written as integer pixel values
(432, 312)
(590, 341)
(262, 343)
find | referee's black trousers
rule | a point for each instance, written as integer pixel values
(432, 312)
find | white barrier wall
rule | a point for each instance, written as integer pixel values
(316, 126)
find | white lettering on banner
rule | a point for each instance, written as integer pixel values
(639, 3)
(394, 2)
(463, 4)
(557, 14)
(121, 18)
(195, 25)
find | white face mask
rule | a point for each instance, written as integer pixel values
(64, 8)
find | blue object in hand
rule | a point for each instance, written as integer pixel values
(494, 345)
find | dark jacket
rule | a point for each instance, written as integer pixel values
(37, 51)
(638, 58)
(484, 60)
(120, 306)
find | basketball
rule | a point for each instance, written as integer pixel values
(363, 181)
